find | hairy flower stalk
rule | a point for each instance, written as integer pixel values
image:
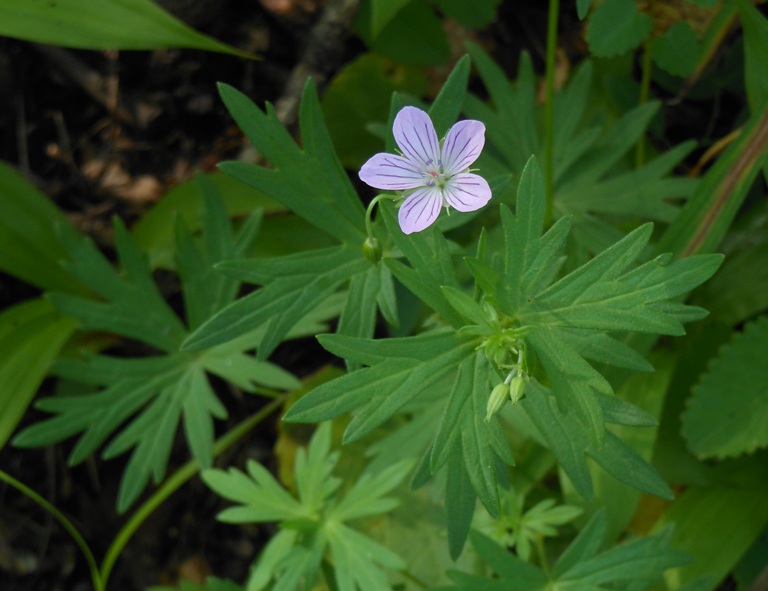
(431, 174)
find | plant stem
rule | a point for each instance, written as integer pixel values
(645, 90)
(98, 582)
(175, 481)
(549, 109)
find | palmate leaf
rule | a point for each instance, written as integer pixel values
(592, 181)
(149, 397)
(310, 181)
(581, 566)
(561, 323)
(603, 295)
(314, 523)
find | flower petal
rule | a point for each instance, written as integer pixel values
(420, 209)
(416, 137)
(467, 192)
(462, 146)
(389, 171)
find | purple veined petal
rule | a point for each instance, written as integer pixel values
(416, 136)
(392, 172)
(467, 192)
(420, 210)
(462, 146)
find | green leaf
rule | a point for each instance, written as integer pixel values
(431, 266)
(581, 566)
(448, 103)
(716, 526)
(711, 209)
(144, 399)
(569, 441)
(30, 240)
(642, 559)
(582, 6)
(382, 389)
(31, 337)
(206, 291)
(516, 573)
(382, 12)
(460, 501)
(85, 25)
(476, 15)
(134, 307)
(464, 430)
(717, 425)
(260, 496)
(304, 280)
(358, 318)
(739, 290)
(314, 522)
(155, 233)
(755, 27)
(309, 180)
(365, 496)
(625, 299)
(357, 559)
(616, 26)
(677, 51)
(359, 95)
(414, 36)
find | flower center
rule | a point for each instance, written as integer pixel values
(436, 175)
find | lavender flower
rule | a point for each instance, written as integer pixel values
(432, 174)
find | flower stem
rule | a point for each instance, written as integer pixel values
(369, 211)
(175, 481)
(549, 109)
(98, 583)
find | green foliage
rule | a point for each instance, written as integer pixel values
(521, 529)
(756, 52)
(30, 239)
(592, 182)
(313, 522)
(728, 411)
(582, 566)
(292, 285)
(154, 392)
(677, 51)
(617, 26)
(717, 524)
(359, 94)
(516, 364)
(31, 337)
(523, 307)
(87, 25)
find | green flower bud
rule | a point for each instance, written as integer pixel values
(517, 389)
(372, 249)
(496, 400)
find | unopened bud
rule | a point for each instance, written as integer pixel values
(496, 400)
(517, 389)
(372, 249)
